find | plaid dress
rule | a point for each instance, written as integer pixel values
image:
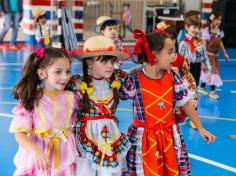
(145, 130)
(99, 138)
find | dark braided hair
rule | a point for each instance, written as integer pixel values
(85, 105)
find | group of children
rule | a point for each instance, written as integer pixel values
(65, 125)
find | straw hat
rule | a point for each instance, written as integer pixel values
(101, 45)
(162, 25)
(101, 20)
(37, 12)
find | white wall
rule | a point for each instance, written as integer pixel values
(192, 5)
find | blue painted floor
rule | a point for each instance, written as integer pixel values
(218, 116)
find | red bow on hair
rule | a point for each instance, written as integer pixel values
(40, 55)
(162, 31)
(142, 43)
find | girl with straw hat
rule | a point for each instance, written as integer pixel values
(42, 29)
(100, 142)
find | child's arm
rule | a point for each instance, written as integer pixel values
(127, 89)
(226, 56)
(40, 158)
(206, 60)
(192, 114)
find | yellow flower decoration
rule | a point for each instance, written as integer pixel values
(116, 84)
(83, 86)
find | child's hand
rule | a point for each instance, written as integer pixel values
(41, 160)
(226, 56)
(207, 136)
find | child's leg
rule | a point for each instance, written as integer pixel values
(203, 79)
(195, 69)
(84, 168)
(215, 77)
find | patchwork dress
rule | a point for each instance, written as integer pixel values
(101, 144)
(157, 144)
(48, 125)
(213, 41)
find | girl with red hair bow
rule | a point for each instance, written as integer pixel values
(154, 133)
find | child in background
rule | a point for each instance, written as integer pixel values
(193, 48)
(157, 145)
(126, 19)
(43, 117)
(108, 27)
(42, 28)
(182, 32)
(212, 35)
(101, 144)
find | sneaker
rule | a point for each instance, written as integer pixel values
(214, 95)
(14, 47)
(202, 91)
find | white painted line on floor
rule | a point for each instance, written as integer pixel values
(233, 91)
(6, 115)
(6, 88)
(223, 60)
(6, 103)
(214, 163)
(230, 80)
(9, 64)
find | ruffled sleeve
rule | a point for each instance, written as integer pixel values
(205, 34)
(74, 84)
(222, 34)
(76, 101)
(127, 90)
(22, 121)
(181, 95)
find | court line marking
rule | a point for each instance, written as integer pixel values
(6, 115)
(6, 88)
(230, 80)
(211, 162)
(5, 102)
(217, 118)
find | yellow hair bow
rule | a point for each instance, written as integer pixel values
(116, 84)
(83, 86)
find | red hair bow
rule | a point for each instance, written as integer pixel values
(142, 43)
(160, 30)
(40, 55)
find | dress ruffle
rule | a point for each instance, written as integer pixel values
(99, 158)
